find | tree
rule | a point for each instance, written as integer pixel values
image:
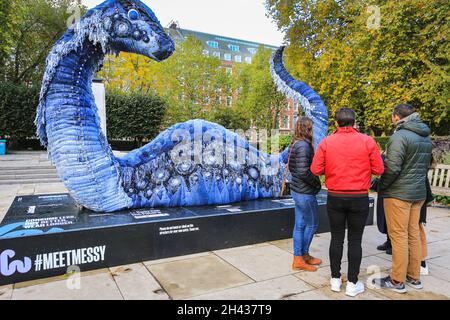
(231, 118)
(6, 25)
(37, 25)
(259, 99)
(371, 68)
(193, 85)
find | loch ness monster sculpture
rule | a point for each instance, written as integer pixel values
(190, 164)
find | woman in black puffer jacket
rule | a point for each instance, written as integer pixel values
(304, 188)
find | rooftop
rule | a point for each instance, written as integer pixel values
(225, 48)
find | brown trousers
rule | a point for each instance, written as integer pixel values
(402, 219)
(423, 239)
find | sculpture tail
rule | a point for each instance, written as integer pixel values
(300, 92)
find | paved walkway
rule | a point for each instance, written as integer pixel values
(253, 272)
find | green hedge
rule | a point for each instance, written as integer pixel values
(442, 200)
(134, 115)
(382, 142)
(18, 105)
(131, 116)
(285, 141)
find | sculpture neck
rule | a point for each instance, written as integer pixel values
(77, 146)
(77, 70)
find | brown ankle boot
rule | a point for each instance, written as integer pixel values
(311, 260)
(300, 264)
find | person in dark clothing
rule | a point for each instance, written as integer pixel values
(382, 226)
(348, 159)
(304, 188)
(403, 186)
(381, 219)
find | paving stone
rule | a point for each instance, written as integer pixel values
(326, 294)
(318, 279)
(314, 295)
(186, 257)
(439, 227)
(260, 263)
(6, 292)
(319, 248)
(3, 211)
(197, 276)
(434, 289)
(273, 289)
(50, 188)
(437, 212)
(135, 282)
(7, 191)
(94, 285)
(26, 190)
(438, 249)
(439, 272)
(442, 261)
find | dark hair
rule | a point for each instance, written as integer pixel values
(345, 117)
(403, 110)
(304, 131)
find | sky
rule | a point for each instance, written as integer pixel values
(242, 19)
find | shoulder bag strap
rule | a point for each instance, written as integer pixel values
(283, 187)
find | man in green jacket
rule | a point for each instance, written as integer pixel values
(403, 185)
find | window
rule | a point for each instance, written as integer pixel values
(252, 50)
(227, 57)
(238, 59)
(206, 52)
(229, 71)
(248, 60)
(288, 106)
(286, 122)
(229, 101)
(213, 44)
(233, 47)
(218, 100)
(216, 54)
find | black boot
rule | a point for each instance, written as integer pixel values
(385, 246)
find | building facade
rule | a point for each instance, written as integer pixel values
(232, 51)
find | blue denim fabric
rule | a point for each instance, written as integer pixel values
(300, 92)
(306, 222)
(69, 125)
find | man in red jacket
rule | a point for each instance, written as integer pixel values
(348, 159)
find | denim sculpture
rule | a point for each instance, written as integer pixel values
(190, 164)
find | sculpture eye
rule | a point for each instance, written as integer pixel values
(133, 14)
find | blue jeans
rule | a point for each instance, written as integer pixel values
(306, 222)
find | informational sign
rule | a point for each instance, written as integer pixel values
(148, 214)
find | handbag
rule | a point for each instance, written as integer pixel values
(286, 172)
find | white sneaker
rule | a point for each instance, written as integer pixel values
(336, 284)
(354, 289)
(424, 271)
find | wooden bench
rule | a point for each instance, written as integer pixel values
(440, 180)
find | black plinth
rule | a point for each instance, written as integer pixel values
(41, 236)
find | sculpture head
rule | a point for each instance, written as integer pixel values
(131, 26)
